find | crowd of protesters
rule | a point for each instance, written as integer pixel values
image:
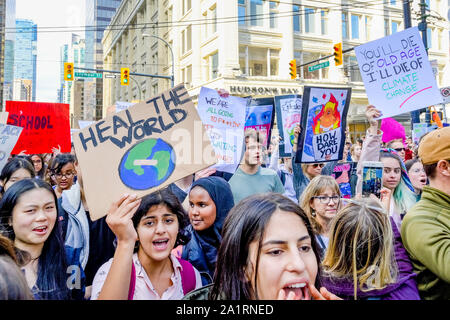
(275, 229)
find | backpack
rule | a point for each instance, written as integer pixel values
(188, 280)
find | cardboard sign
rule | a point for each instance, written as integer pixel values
(259, 116)
(45, 126)
(289, 111)
(224, 120)
(8, 139)
(3, 117)
(342, 173)
(397, 73)
(141, 149)
(323, 123)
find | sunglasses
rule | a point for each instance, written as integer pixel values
(315, 165)
(399, 149)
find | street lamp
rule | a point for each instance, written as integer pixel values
(171, 51)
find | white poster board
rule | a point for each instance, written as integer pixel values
(397, 73)
(224, 121)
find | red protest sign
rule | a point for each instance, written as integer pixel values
(45, 125)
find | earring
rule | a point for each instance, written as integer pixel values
(313, 213)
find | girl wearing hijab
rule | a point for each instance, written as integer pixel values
(210, 200)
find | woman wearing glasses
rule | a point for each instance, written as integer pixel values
(320, 201)
(63, 172)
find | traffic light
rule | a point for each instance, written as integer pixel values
(293, 69)
(68, 71)
(338, 54)
(125, 76)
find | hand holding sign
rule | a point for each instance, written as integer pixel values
(371, 114)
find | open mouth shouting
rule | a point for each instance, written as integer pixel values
(161, 244)
(300, 290)
(41, 230)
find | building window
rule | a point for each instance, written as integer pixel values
(242, 12)
(274, 58)
(257, 61)
(393, 2)
(309, 20)
(307, 57)
(324, 22)
(188, 38)
(344, 25)
(243, 59)
(429, 40)
(214, 65)
(353, 69)
(367, 25)
(394, 26)
(273, 6)
(355, 26)
(296, 17)
(386, 27)
(256, 11)
(186, 5)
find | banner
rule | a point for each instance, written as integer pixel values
(397, 74)
(224, 120)
(259, 116)
(45, 126)
(141, 149)
(323, 123)
(289, 111)
(8, 139)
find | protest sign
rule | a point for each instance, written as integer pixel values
(84, 123)
(420, 129)
(8, 139)
(397, 74)
(45, 126)
(259, 116)
(224, 120)
(323, 123)
(141, 149)
(343, 173)
(289, 109)
(3, 117)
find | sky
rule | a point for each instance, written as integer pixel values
(51, 13)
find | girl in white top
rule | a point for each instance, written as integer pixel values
(153, 225)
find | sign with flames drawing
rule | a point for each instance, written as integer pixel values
(323, 123)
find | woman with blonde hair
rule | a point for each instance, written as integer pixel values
(365, 258)
(320, 201)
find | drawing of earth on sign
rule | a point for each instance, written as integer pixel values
(147, 164)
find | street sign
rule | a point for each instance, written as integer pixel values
(110, 76)
(319, 66)
(88, 75)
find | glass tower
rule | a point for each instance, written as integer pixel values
(25, 52)
(98, 17)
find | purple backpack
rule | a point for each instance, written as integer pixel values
(187, 278)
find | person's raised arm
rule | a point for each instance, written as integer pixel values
(117, 281)
(372, 144)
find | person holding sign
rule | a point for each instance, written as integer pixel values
(143, 267)
(210, 200)
(395, 177)
(250, 178)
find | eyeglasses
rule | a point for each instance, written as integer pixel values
(326, 199)
(399, 149)
(68, 175)
(315, 165)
